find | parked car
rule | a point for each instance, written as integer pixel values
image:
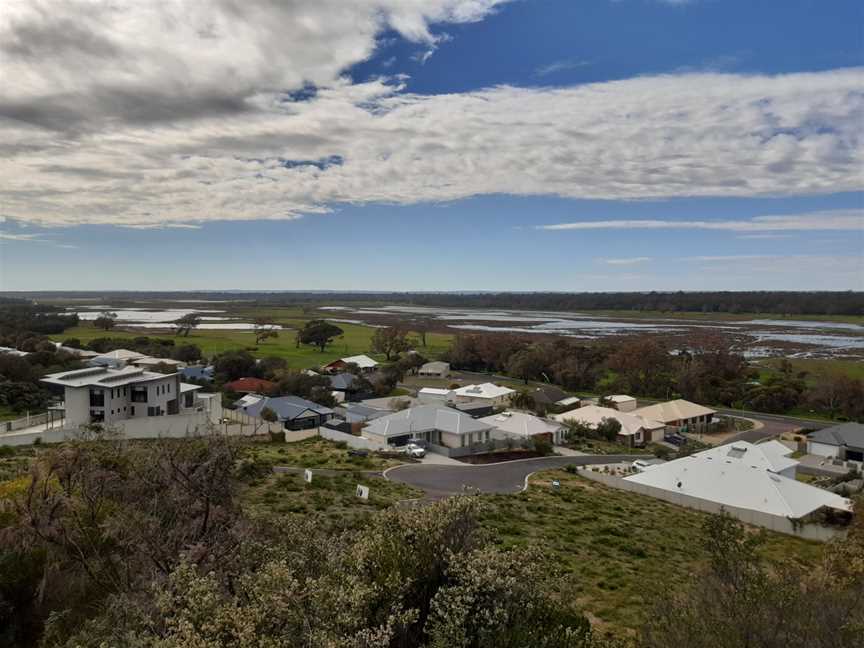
(641, 465)
(354, 452)
(415, 451)
(420, 443)
(675, 439)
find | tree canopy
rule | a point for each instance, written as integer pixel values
(318, 333)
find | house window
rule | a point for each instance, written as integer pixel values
(97, 398)
(139, 394)
(97, 416)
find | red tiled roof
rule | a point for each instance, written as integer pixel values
(250, 385)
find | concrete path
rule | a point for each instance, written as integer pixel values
(504, 477)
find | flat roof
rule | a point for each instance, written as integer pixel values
(105, 377)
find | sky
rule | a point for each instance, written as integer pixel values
(527, 145)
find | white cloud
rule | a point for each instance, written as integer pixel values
(8, 236)
(628, 261)
(153, 114)
(559, 66)
(837, 219)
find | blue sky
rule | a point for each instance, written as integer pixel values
(526, 145)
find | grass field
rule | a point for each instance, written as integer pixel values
(621, 548)
(815, 367)
(355, 340)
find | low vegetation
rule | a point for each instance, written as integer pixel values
(623, 550)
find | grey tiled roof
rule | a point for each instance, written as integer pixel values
(426, 418)
(848, 434)
(287, 408)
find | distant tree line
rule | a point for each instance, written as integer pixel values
(769, 301)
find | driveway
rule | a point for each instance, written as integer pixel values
(505, 477)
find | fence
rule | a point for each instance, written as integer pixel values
(22, 423)
(151, 427)
(757, 518)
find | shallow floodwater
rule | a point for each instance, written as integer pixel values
(160, 319)
(819, 338)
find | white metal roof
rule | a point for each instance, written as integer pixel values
(675, 410)
(122, 355)
(435, 391)
(362, 361)
(572, 400)
(594, 414)
(740, 474)
(248, 399)
(435, 365)
(521, 424)
(620, 398)
(103, 377)
(152, 362)
(484, 390)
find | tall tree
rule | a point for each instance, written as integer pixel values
(106, 320)
(185, 324)
(265, 328)
(390, 341)
(318, 333)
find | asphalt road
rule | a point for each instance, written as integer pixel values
(506, 477)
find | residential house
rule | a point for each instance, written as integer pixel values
(741, 476)
(477, 409)
(444, 428)
(151, 363)
(622, 402)
(247, 400)
(107, 395)
(680, 414)
(364, 362)
(434, 394)
(571, 402)
(250, 385)
(359, 413)
(521, 426)
(293, 412)
(547, 396)
(115, 358)
(348, 387)
(842, 442)
(436, 369)
(198, 372)
(488, 392)
(635, 430)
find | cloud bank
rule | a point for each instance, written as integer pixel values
(828, 220)
(155, 114)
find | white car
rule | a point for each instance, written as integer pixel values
(415, 451)
(641, 465)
